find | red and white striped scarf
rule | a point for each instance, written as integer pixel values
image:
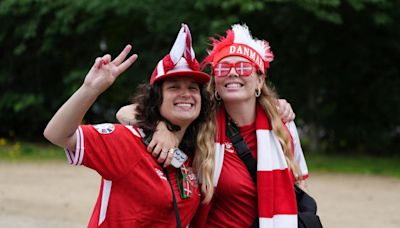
(276, 197)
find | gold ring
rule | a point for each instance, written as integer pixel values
(172, 150)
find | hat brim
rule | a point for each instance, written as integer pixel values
(197, 76)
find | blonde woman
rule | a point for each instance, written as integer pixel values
(239, 64)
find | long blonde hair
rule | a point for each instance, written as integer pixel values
(204, 158)
(267, 100)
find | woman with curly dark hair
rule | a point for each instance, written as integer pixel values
(136, 191)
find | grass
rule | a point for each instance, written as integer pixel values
(24, 151)
(388, 166)
(366, 164)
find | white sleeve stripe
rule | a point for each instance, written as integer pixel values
(69, 155)
(82, 145)
(76, 157)
(77, 148)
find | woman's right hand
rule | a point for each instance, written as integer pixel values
(161, 144)
(126, 114)
(285, 110)
(104, 71)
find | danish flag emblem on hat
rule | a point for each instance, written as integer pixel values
(180, 62)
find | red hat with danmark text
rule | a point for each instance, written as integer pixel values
(180, 62)
(239, 42)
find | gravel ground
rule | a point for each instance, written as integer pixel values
(53, 194)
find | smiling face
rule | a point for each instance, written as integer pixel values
(235, 88)
(181, 101)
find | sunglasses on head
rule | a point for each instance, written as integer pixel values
(243, 69)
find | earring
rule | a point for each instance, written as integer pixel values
(258, 92)
(216, 95)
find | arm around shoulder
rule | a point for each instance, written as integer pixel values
(126, 114)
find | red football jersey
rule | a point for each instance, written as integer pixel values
(134, 190)
(235, 199)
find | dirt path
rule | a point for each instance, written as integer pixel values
(57, 195)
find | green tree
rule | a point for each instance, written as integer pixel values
(335, 61)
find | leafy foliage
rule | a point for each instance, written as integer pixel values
(336, 61)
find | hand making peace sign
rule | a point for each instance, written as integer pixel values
(104, 71)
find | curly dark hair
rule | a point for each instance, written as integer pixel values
(149, 99)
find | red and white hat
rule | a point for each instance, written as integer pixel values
(180, 62)
(239, 42)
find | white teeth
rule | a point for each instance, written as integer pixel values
(233, 85)
(183, 105)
